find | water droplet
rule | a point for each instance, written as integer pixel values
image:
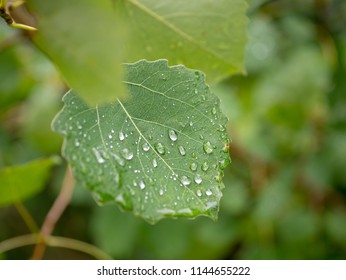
(118, 159)
(127, 154)
(172, 135)
(182, 150)
(198, 179)
(161, 192)
(199, 193)
(154, 163)
(213, 111)
(185, 180)
(223, 163)
(142, 185)
(208, 148)
(205, 166)
(226, 148)
(121, 136)
(218, 177)
(145, 147)
(160, 148)
(163, 77)
(221, 128)
(193, 166)
(110, 136)
(196, 91)
(191, 123)
(98, 156)
(208, 192)
(77, 143)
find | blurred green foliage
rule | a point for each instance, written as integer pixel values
(285, 195)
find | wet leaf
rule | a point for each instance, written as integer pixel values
(21, 182)
(139, 153)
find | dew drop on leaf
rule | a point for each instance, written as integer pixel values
(193, 166)
(142, 185)
(208, 148)
(121, 136)
(98, 156)
(185, 180)
(126, 154)
(208, 192)
(198, 179)
(172, 135)
(154, 163)
(205, 166)
(145, 147)
(199, 193)
(182, 150)
(160, 148)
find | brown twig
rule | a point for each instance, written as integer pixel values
(55, 213)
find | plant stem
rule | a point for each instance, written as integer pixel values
(26, 216)
(53, 241)
(55, 213)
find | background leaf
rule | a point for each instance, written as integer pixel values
(201, 34)
(161, 153)
(23, 181)
(80, 37)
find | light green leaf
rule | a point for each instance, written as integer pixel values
(201, 34)
(161, 153)
(80, 37)
(21, 182)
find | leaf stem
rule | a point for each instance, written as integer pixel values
(26, 216)
(55, 213)
(54, 241)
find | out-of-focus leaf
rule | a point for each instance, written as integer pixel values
(161, 153)
(21, 182)
(80, 37)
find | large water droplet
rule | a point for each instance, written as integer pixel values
(121, 136)
(154, 163)
(172, 135)
(182, 150)
(223, 163)
(145, 147)
(193, 166)
(127, 154)
(208, 148)
(142, 185)
(198, 179)
(160, 148)
(208, 192)
(205, 166)
(98, 156)
(185, 180)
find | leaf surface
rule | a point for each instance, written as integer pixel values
(161, 153)
(81, 37)
(201, 34)
(21, 182)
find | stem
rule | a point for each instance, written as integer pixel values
(54, 241)
(55, 213)
(26, 216)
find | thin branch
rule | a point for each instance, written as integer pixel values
(55, 213)
(53, 241)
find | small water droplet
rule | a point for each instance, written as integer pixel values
(208, 148)
(205, 166)
(185, 180)
(221, 128)
(193, 166)
(199, 193)
(145, 147)
(160, 148)
(191, 123)
(121, 136)
(98, 156)
(196, 91)
(182, 150)
(223, 163)
(161, 192)
(77, 143)
(172, 135)
(198, 179)
(213, 111)
(154, 163)
(208, 192)
(142, 185)
(110, 136)
(218, 177)
(226, 148)
(127, 154)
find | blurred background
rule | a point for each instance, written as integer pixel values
(285, 195)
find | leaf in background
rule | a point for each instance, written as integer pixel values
(21, 182)
(80, 37)
(201, 34)
(160, 154)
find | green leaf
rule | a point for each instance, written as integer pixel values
(21, 182)
(201, 34)
(161, 153)
(80, 37)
